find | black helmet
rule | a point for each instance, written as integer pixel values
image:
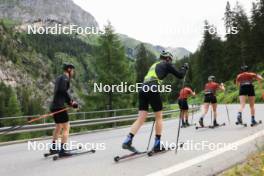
(211, 78)
(68, 65)
(165, 54)
(244, 68)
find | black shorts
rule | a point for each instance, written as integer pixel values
(150, 98)
(247, 90)
(183, 104)
(61, 117)
(210, 98)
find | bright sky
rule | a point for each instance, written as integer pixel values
(174, 23)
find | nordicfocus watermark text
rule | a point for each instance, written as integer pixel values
(124, 87)
(190, 145)
(58, 29)
(39, 146)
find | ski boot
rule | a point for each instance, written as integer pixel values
(201, 122)
(53, 149)
(239, 120)
(158, 147)
(253, 122)
(63, 152)
(127, 144)
(187, 123)
(215, 124)
(184, 125)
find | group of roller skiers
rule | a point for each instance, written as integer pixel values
(155, 75)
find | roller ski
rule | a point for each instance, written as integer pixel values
(67, 154)
(154, 152)
(201, 124)
(240, 121)
(127, 145)
(157, 148)
(53, 151)
(216, 125)
(161, 150)
(255, 123)
(50, 153)
(131, 155)
(186, 124)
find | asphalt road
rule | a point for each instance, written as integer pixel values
(235, 142)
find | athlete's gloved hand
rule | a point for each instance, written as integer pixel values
(74, 104)
(185, 66)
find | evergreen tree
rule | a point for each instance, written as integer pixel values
(228, 17)
(237, 47)
(257, 34)
(112, 66)
(144, 60)
(13, 106)
(209, 61)
(2, 104)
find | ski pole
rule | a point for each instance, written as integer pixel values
(227, 114)
(192, 113)
(16, 127)
(211, 115)
(150, 134)
(179, 125)
(178, 134)
(48, 115)
(227, 111)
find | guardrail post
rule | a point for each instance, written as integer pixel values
(115, 122)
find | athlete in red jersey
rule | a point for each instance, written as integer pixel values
(246, 89)
(183, 104)
(210, 90)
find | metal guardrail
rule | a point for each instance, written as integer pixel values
(86, 122)
(73, 113)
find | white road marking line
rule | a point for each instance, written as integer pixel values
(209, 155)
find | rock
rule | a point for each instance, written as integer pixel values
(32, 11)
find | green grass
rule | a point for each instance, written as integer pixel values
(9, 23)
(254, 166)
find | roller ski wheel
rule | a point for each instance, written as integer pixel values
(255, 124)
(71, 154)
(55, 158)
(56, 152)
(128, 156)
(165, 150)
(200, 127)
(50, 154)
(241, 123)
(46, 155)
(117, 158)
(152, 152)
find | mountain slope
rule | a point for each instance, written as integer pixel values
(64, 11)
(131, 43)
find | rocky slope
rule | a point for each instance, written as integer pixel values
(63, 11)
